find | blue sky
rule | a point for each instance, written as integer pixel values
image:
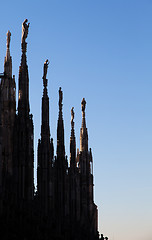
(100, 50)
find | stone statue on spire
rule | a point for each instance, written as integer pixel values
(83, 105)
(72, 117)
(25, 28)
(8, 34)
(8, 39)
(60, 98)
(45, 68)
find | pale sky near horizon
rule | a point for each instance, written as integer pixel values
(100, 50)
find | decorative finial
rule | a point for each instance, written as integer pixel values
(45, 68)
(83, 105)
(8, 39)
(60, 98)
(72, 117)
(25, 28)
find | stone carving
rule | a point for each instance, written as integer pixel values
(72, 117)
(60, 98)
(83, 105)
(25, 28)
(45, 68)
(8, 39)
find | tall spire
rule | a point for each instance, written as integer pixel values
(45, 153)
(8, 106)
(72, 142)
(83, 130)
(45, 129)
(60, 173)
(23, 102)
(86, 178)
(23, 154)
(60, 130)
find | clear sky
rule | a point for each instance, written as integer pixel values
(100, 50)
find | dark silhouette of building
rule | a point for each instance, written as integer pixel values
(63, 205)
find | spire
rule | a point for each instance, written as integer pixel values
(60, 129)
(72, 142)
(23, 154)
(45, 129)
(45, 152)
(8, 108)
(83, 130)
(23, 102)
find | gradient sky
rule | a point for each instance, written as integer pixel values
(100, 50)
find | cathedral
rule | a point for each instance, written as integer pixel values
(62, 205)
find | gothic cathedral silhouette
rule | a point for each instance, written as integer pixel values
(63, 205)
